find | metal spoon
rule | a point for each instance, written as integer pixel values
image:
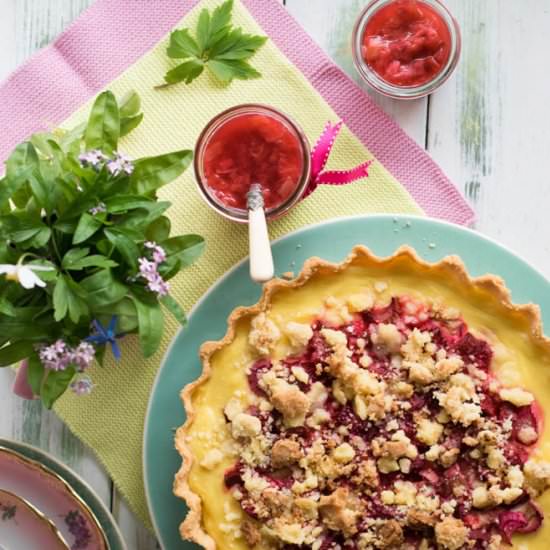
(261, 258)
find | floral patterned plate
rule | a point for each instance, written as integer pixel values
(59, 494)
(23, 526)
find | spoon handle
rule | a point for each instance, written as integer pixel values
(261, 259)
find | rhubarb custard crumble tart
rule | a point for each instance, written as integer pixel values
(380, 403)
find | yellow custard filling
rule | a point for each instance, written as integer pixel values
(518, 360)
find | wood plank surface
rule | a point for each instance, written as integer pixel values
(489, 128)
(330, 23)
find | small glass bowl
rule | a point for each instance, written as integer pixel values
(393, 90)
(237, 214)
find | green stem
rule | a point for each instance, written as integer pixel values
(56, 249)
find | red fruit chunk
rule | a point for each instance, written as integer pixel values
(489, 405)
(430, 476)
(259, 368)
(253, 148)
(525, 418)
(406, 42)
(522, 519)
(385, 314)
(418, 401)
(232, 476)
(474, 350)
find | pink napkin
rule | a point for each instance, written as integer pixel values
(112, 34)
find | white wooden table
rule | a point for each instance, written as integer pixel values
(488, 128)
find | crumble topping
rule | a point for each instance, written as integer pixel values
(384, 428)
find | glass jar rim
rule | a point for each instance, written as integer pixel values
(404, 92)
(238, 214)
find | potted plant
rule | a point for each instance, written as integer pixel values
(86, 250)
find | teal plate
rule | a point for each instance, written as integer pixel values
(332, 241)
(82, 489)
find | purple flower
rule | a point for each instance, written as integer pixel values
(147, 269)
(82, 356)
(99, 207)
(159, 255)
(121, 163)
(82, 385)
(55, 356)
(159, 286)
(93, 158)
(58, 356)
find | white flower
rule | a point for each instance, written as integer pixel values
(24, 274)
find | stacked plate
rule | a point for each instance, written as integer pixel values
(44, 506)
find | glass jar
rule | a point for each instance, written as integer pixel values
(437, 14)
(244, 145)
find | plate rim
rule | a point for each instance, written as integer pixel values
(5, 443)
(384, 216)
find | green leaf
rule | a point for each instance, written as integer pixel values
(24, 156)
(49, 275)
(23, 227)
(39, 240)
(125, 246)
(138, 220)
(12, 353)
(7, 308)
(103, 289)
(187, 248)
(60, 299)
(55, 385)
(68, 298)
(185, 72)
(203, 29)
(95, 260)
(26, 327)
(129, 105)
(87, 226)
(159, 230)
(70, 139)
(170, 268)
(73, 256)
(20, 164)
(77, 259)
(183, 45)
(236, 45)
(67, 227)
(174, 308)
(128, 124)
(103, 128)
(228, 69)
(42, 192)
(126, 313)
(220, 20)
(35, 373)
(123, 203)
(151, 322)
(153, 172)
(9, 186)
(217, 45)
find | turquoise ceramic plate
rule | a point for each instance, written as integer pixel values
(83, 490)
(331, 240)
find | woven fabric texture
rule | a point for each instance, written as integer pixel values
(111, 420)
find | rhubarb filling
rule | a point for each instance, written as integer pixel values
(388, 430)
(368, 416)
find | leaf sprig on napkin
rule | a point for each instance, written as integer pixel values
(218, 46)
(85, 248)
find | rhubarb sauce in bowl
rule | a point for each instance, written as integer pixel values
(406, 48)
(250, 144)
